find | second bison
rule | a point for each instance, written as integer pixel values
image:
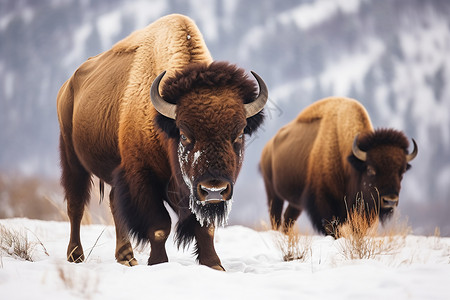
(327, 158)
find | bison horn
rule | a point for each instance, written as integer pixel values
(257, 105)
(169, 110)
(361, 155)
(413, 154)
(162, 106)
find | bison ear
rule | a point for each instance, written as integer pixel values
(359, 165)
(167, 125)
(408, 166)
(253, 123)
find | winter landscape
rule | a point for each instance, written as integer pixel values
(409, 267)
(391, 55)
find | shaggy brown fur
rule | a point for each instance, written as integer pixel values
(309, 163)
(110, 129)
(202, 76)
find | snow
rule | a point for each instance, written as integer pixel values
(206, 18)
(8, 85)
(426, 51)
(341, 74)
(197, 155)
(229, 8)
(109, 26)
(183, 160)
(308, 15)
(79, 42)
(141, 11)
(418, 269)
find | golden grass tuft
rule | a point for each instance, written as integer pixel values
(15, 243)
(360, 237)
(359, 234)
(293, 245)
(437, 239)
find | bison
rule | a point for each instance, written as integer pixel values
(329, 158)
(162, 123)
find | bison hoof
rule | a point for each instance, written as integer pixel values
(75, 255)
(218, 268)
(157, 260)
(129, 263)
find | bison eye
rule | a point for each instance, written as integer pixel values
(371, 171)
(239, 139)
(184, 139)
(238, 142)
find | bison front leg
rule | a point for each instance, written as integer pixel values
(142, 212)
(205, 247)
(158, 239)
(158, 233)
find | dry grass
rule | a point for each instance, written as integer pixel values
(95, 244)
(60, 208)
(37, 197)
(84, 285)
(91, 249)
(293, 245)
(360, 237)
(437, 239)
(359, 240)
(15, 243)
(95, 212)
(24, 196)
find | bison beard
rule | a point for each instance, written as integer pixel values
(210, 214)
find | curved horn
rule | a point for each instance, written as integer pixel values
(361, 155)
(162, 106)
(257, 105)
(413, 154)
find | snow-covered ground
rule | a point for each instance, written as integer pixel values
(419, 268)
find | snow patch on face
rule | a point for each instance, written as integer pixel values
(206, 214)
(183, 160)
(241, 156)
(197, 154)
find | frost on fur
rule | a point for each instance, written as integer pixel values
(206, 214)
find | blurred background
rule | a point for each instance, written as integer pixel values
(391, 55)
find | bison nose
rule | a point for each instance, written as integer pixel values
(389, 201)
(214, 191)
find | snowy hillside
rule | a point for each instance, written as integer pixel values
(417, 268)
(392, 55)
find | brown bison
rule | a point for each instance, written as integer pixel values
(177, 138)
(329, 157)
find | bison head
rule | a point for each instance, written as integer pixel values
(380, 159)
(205, 110)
